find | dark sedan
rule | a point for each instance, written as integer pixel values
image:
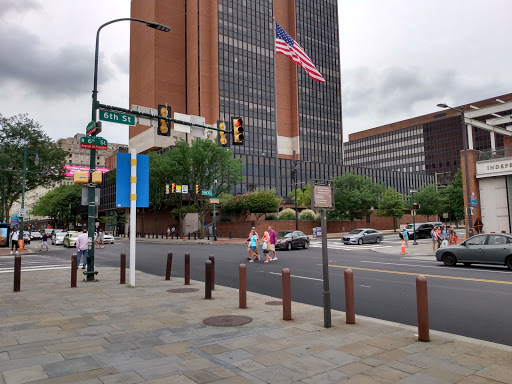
(479, 249)
(292, 239)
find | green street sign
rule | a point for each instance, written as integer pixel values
(116, 117)
(93, 142)
(207, 193)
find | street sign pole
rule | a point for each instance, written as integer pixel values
(133, 213)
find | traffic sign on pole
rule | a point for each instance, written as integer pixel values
(93, 142)
(116, 117)
(206, 193)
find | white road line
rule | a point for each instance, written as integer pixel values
(298, 277)
(433, 266)
(32, 269)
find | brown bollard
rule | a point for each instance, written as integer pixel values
(187, 268)
(208, 280)
(350, 312)
(73, 270)
(242, 286)
(287, 295)
(122, 269)
(17, 273)
(422, 302)
(169, 266)
(212, 259)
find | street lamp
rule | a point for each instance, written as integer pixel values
(465, 145)
(92, 164)
(412, 192)
(214, 182)
(22, 210)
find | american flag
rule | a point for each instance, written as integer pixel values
(289, 47)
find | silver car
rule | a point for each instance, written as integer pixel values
(58, 238)
(362, 236)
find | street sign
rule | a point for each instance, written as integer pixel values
(15, 220)
(184, 189)
(178, 188)
(116, 117)
(473, 203)
(322, 194)
(21, 212)
(207, 193)
(91, 128)
(93, 142)
(214, 200)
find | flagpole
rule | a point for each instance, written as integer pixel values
(278, 170)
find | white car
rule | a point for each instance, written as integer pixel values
(108, 239)
(58, 238)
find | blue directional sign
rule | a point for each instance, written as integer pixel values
(123, 181)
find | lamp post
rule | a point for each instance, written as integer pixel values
(412, 192)
(92, 163)
(294, 175)
(465, 145)
(214, 182)
(36, 162)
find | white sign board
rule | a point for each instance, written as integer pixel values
(145, 120)
(178, 188)
(184, 189)
(21, 212)
(181, 127)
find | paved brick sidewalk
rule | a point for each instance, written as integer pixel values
(104, 332)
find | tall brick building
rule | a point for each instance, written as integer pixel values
(218, 62)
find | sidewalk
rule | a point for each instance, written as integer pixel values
(104, 332)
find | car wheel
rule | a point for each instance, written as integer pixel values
(508, 262)
(360, 241)
(467, 264)
(449, 259)
(289, 246)
(378, 240)
(306, 245)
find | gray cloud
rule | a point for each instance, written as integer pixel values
(17, 6)
(122, 62)
(44, 69)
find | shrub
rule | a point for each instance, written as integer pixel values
(271, 217)
(225, 219)
(307, 214)
(287, 214)
(318, 216)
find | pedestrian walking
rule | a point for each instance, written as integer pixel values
(452, 236)
(266, 246)
(82, 246)
(406, 238)
(44, 242)
(173, 230)
(273, 242)
(433, 235)
(438, 236)
(168, 231)
(253, 230)
(102, 238)
(253, 244)
(444, 238)
(14, 240)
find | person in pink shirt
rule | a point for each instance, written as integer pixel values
(82, 245)
(266, 246)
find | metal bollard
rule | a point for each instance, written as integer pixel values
(162, 236)
(208, 235)
(212, 259)
(350, 313)
(169, 266)
(187, 268)
(73, 270)
(154, 235)
(122, 269)
(17, 273)
(242, 286)
(195, 235)
(422, 303)
(287, 295)
(230, 235)
(189, 235)
(208, 280)
(167, 236)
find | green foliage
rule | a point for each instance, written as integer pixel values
(453, 197)
(113, 219)
(263, 201)
(307, 214)
(234, 206)
(303, 196)
(61, 204)
(354, 196)
(391, 204)
(271, 217)
(225, 219)
(19, 132)
(286, 214)
(429, 200)
(318, 216)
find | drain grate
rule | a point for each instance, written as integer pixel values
(227, 321)
(182, 290)
(277, 302)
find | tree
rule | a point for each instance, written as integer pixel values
(263, 201)
(61, 204)
(354, 196)
(19, 132)
(303, 196)
(391, 204)
(453, 197)
(429, 200)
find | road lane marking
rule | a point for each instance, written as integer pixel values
(423, 274)
(433, 266)
(298, 277)
(32, 269)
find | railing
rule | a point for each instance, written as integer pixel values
(497, 153)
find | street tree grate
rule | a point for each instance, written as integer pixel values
(277, 302)
(182, 290)
(227, 321)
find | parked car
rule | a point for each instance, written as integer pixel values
(479, 249)
(422, 229)
(35, 236)
(58, 238)
(292, 239)
(362, 236)
(70, 239)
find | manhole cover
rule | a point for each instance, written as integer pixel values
(182, 290)
(274, 302)
(227, 321)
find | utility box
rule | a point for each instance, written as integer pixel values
(97, 177)
(81, 177)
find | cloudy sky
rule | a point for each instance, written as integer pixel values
(399, 58)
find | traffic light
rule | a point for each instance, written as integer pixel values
(164, 126)
(222, 133)
(197, 189)
(173, 187)
(416, 206)
(166, 189)
(238, 131)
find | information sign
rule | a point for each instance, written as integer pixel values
(93, 142)
(214, 200)
(323, 194)
(178, 188)
(184, 189)
(21, 212)
(207, 193)
(116, 117)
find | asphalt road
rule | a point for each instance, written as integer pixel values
(469, 301)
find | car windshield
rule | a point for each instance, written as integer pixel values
(355, 231)
(36, 233)
(73, 235)
(409, 226)
(284, 234)
(60, 234)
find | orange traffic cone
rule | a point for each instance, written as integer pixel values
(403, 247)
